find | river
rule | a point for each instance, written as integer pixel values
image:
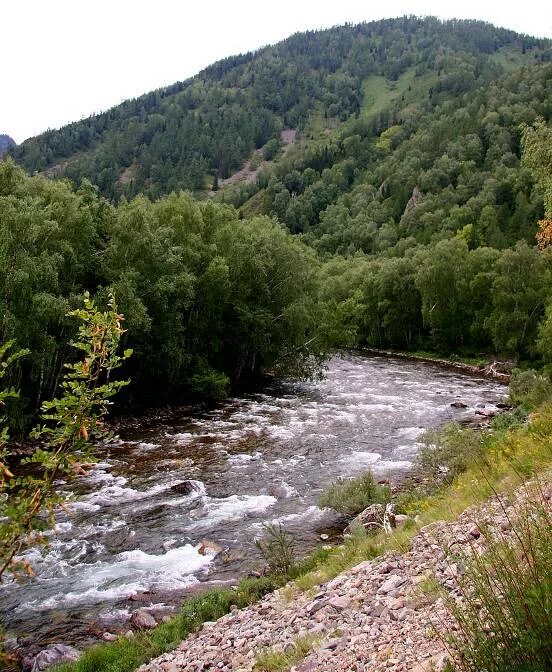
(131, 536)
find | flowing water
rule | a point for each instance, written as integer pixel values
(131, 538)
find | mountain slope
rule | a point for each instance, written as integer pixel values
(185, 135)
(5, 143)
(440, 164)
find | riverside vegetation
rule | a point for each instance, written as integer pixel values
(404, 217)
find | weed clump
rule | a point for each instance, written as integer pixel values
(352, 496)
(504, 619)
(278, 550)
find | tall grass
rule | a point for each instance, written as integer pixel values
(278, 550)
(504, 618)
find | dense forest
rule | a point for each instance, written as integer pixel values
(404, 216)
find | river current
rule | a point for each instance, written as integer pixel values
(132, 535)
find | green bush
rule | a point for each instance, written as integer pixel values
(271, 149)
(529, 389)
(504, 621)
(210, 385)
(354, 495)
(448, 452)
(278, 549)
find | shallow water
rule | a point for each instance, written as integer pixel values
(131, 536)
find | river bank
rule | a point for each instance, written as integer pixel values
(336, 610)
(492, 369)
(382, 614)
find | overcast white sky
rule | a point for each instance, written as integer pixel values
(62, 60)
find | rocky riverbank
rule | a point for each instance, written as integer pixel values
(373, 617)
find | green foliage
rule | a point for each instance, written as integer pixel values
(210, 300)
(351, 496)
(71, 422)
(171, 138)
(271, 149)
(537, 156)
(448, 452)
(278, 549)
(421, 162)
(505, 619)
(529, 389)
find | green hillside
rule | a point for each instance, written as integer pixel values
(180, 136)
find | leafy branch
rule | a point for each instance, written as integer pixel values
(72, 423)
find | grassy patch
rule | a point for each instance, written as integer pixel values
(351, 496)
(379, 92)
(512, 59)
(274, 660)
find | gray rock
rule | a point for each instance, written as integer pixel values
(370, 519)
(339, 603)
(315, 606)
(393, 582)
(141, 620)
(109, 637)
(474, 532)
(185, 488)
(53, 655)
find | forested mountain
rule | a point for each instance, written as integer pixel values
(403, 216)
(5, 143)
(184, 135)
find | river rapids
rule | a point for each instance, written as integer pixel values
(131, 535)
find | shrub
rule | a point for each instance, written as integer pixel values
(272, 660)
(448, 452)
(529, 389)
(504, 621)
(354, 495)
(278, 549)
(210, 384)
(271, 149)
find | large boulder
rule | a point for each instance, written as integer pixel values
(371, 519)
(53, 655)
(142, 620)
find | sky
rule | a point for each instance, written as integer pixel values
(63, 60)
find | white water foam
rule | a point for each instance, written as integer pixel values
(231, 508)
(130, 572)
(311, 513)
